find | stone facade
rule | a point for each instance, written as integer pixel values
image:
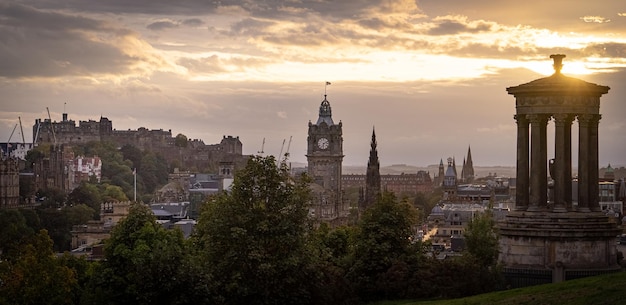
(324, 158)
(9, 183)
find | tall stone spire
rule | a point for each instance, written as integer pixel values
(372, 178)
(468, 167)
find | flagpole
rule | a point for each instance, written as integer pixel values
(135, 185)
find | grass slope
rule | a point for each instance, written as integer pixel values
(604, 289)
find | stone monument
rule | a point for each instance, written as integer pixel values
(542, 240)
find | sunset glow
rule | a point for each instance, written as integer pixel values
(258, 71)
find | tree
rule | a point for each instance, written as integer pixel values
(383, 253)
(253, 239)
(88, 194)
(143, 263)
(14, 230)
(481, 239)
(181, 140)
(36, 277)
(111, 193)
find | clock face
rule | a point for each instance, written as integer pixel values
(322, 143)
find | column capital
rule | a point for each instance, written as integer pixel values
(538, 118)
(589, 118)
(521, 118)
(563, 118)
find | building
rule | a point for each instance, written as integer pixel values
(95, 231)
(82, 169)
(449, 184)
(401, 184)
(194, 154)
(448, 220)
(324, 158)
(15, 150)
(9, 183)
(467, 172)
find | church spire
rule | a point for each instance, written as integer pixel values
(372, 178)
(468, 167)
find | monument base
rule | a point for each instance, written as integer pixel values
(548, 247)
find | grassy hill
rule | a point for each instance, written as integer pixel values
(604, 289)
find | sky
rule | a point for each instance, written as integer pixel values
(430, 76)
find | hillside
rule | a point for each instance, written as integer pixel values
(604, 289)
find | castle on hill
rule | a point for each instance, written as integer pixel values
(194, 154)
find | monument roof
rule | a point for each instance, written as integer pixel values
(558, 84)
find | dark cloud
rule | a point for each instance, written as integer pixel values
(162, 25)
(260, 8)
(193, 22)
(610, 49)
(250, 27)
(34, 43)
(453, 27)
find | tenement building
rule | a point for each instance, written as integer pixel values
(542, 240)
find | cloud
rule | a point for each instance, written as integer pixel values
(452, 25)
(162, 25)
(193, 22)
(595, 19)
(35, 43)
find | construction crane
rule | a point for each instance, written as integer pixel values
(52, 127)
(22, 130)
(262, 147)
(281, 151)
(9, 141)
(287, 152)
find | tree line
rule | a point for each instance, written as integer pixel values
(254, 244)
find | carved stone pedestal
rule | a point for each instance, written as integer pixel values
(547, 247)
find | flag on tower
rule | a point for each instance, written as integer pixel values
(327, 83)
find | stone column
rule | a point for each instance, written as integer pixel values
(583, 162)
(521, 195)
(568, 162)
(594, 174)
(562, 144)
(538, 162)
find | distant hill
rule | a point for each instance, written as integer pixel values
(479, 171)
(396, 169)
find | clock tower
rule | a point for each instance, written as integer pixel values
(324, 157)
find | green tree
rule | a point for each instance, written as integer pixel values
(14, 230)
(181, 140)
(253, 239)
(384, 256)
(481, 239)
(36, 277)
(88, 194)
(133, 154)
(144, 263)
(112, 193)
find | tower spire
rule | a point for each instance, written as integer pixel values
(372, 178)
